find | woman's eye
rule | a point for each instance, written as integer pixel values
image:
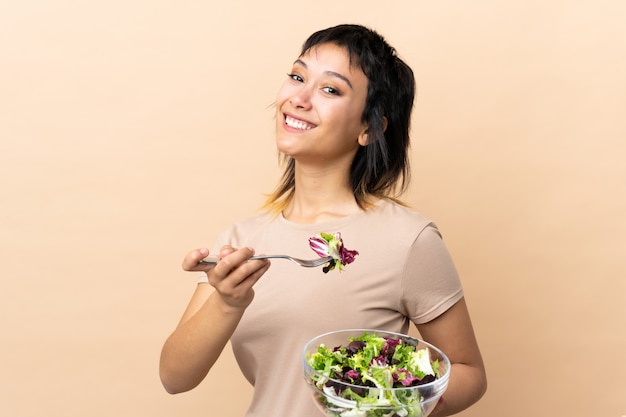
(295, 77)
(331, 90)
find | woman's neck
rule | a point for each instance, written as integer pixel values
(320, 196)
(311, 210)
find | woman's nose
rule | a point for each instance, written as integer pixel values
(301, 98)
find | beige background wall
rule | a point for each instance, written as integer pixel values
(132, 131)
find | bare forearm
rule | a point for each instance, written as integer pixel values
(467, 385)
(452, 332)
(196, 344)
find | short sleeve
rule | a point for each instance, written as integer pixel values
(430, 281)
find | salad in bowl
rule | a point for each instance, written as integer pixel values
(374, 373)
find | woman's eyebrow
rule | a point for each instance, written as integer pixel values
(330, 73)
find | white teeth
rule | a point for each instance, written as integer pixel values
(297, 124)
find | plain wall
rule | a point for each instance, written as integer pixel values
(133, 131)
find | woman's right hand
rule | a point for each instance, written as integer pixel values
(211, 316)
(233, 277)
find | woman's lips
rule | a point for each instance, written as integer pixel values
(297, 123)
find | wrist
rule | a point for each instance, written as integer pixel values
(225, 308)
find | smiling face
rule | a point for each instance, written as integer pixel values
(319, 107)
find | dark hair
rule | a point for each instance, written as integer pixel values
(381, 168)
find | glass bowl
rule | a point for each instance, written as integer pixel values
(358, 398)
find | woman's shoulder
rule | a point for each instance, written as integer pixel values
(245, 230)
(254, 221)
(399, 213)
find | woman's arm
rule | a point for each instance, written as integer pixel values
(452, 332)
(211, 317)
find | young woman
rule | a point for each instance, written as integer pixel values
(342, 125)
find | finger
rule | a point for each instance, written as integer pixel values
(190, 262)
(231, 259)
(239, 281)
(236, 267)
(226, 250)
(261, 266)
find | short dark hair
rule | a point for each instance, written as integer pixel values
(381, 168)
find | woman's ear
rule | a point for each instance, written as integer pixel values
(364, 136)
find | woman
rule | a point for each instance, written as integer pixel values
(342, 124)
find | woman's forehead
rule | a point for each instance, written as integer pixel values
(331, 54)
